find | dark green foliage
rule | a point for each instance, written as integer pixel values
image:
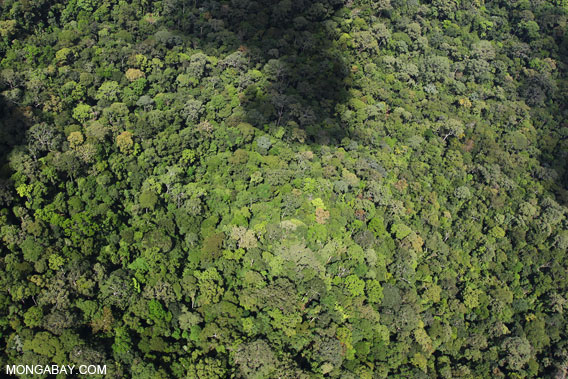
(299, 189)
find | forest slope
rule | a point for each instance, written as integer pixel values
(302, 189)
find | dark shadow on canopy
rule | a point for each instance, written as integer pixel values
(292, 43)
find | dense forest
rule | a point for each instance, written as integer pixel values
(285, 189)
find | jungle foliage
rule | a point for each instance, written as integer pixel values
(299, 189)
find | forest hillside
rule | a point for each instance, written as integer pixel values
(285, 189)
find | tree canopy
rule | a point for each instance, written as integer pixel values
(268, 189)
